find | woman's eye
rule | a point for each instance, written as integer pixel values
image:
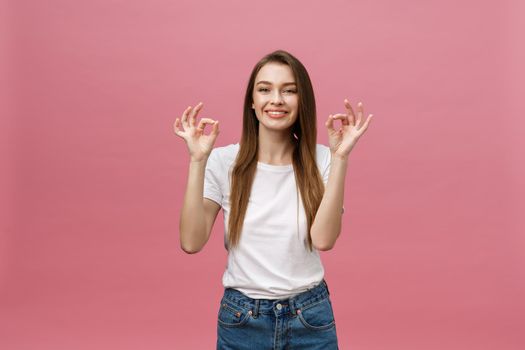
(287, 91)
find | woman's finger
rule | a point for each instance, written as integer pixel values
(359, 114)
(365, 125)
(330, 124)
(345, 119)
(349, 108)
(184, 118)
(194, 113)
(203, 122)
(215, 129)
(176, 127)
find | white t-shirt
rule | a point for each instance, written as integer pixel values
(272, 260)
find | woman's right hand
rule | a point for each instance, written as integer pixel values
(199, 144)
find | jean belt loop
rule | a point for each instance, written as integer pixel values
(292, 306)
(326, 285)
(256, 311)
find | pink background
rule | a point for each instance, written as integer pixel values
(432, 250)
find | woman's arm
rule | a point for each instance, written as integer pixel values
(197, 213)
(327, 223)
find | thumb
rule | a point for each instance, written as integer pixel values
(215, 128)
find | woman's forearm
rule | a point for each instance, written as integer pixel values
(327, 223)
(192, 225)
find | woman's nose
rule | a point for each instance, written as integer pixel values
(277, 98)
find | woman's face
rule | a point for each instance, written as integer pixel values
(275, 98)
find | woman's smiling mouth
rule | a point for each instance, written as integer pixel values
(276, 113)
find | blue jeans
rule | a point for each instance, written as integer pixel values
(305, 321)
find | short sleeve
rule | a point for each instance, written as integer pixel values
(212, 176)
(325, 169)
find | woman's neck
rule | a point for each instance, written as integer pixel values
(275, 148)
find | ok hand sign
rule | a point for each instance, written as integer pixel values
(343, 140)
(199, 144)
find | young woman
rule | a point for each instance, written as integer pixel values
(282, 200)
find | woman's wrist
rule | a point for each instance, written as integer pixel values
(339, 157)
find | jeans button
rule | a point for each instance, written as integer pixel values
(279, 306)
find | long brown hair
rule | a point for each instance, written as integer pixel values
(303, 136)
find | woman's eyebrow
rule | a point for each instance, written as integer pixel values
(267, 82)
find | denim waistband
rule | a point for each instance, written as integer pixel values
(266, 306)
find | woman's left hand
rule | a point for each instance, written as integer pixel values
(343, 140)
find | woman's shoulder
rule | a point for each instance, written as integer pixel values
(232, 148)
(322, 148)
(323, 152)
(225, 154)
